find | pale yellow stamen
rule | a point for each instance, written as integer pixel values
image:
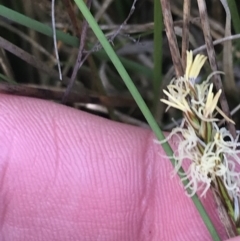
(189, 63)
(211, 102)
(174, 102)
(193, 67)
(224, 115)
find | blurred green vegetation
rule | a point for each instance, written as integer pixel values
(141, 46)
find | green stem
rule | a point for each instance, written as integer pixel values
(157, 53)
(235, 15)
(142, 105)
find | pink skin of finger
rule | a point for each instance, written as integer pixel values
(69, 175)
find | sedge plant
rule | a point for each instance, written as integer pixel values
(213, 153)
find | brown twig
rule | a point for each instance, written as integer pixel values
(74, 20)
(185, 31)
(54, 93)
(78, 63)
(212, 59)
(125, 22)
(172, 40)
(32, 60)
(97, 46)
(218, 41)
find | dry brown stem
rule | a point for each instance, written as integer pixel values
(172, 40)
(213, 63)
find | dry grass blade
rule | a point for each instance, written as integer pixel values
(185, 31)
(227, 53)
(103, 8)
(28, 58)
(79, 61)
(168, 22)
(55, 93)
(29, 40)
(218, 41)
(74, 20)
(55, 40)
(223, 215)
(6, 67)
(213, 63)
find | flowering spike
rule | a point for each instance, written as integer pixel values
(212, 151)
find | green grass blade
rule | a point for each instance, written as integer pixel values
(157, 53)
(118, 65)
(66, 38)
(235, 15)
(7, 79)
(37, 26)
(141, 104)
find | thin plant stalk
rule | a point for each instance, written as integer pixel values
(157, 54)
(141, 104)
